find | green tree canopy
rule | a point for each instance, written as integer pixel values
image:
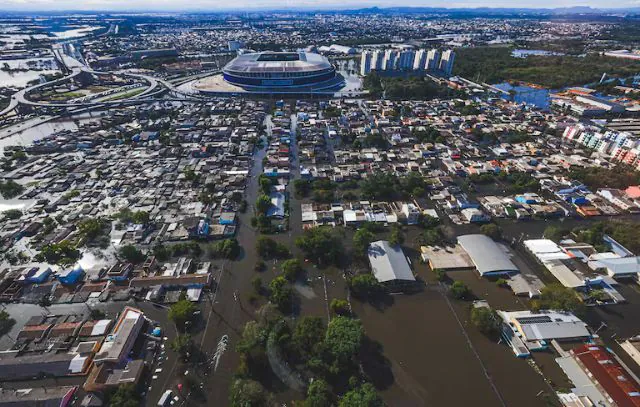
(182, 312)
(344, 338)
(363, 396)
(318, 394)
(321, 245)
(131, 254)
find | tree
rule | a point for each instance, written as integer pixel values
(396, 237)
(6, 322)
(339, 307)
(270, 249)
(362, 396)
(318, 394)
(248, 393)
(90, 228)
(63, 253)
(182, 344)
(161, 252)
(256, 283)
(226, 249)
(361, 241)
(557, 297)
(10, 189)
(554, 233)
(492, 230)
(182, 312)
(380, 186)
(308, 334)
(292, 269)
(459, 290)
(263, 203)
(485, 320)
(12, 214)
(281, 294)
(125, 396)
(365, 285)
(131, 254)
(321, 245)
(343, 339)
(265, 184)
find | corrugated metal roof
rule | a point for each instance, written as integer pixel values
(388, 263)
(486, 255)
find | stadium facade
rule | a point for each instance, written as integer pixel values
(282, 72)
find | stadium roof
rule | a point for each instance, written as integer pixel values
(486, 255)
(277, 62)
(388, 263)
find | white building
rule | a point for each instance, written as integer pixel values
(365, 62)
(411, 212)
(420, 60)
(433, 60)
(446, 62)
(390, 62)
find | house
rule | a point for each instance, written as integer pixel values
(473, 215)
(71, 276)
(276, 210)
(411, 212)
(120, 271)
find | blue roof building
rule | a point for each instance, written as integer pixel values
(71, 276)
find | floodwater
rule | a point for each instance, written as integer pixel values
(527, 94)
(29, 135)
(523, 53)
(21, 78)
(76, 32)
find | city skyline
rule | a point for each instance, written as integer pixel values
(268, 5)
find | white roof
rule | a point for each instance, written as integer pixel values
(547, 325)
(388, 262)
(487, 256)
(100, 328)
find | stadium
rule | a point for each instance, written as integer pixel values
(282, 72)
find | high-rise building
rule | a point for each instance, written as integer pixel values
(365, 62)
(420, 60)
(433, 60)
(377, 60)
(390, 60)
(446, 62)
(405, 60)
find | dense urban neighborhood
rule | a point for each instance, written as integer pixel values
(368, 207)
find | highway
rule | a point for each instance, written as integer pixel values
(76, 67)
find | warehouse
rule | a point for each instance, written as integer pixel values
(390, 266)
(488, 258)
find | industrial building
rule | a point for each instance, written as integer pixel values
(390, 266)
(610, 377)
(487, 256)
(546, 325)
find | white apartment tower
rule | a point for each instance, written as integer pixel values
(433, 60)
(446, 62)
(365, 63)
(390, 60)
(420, 60)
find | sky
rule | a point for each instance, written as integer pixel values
(240, 5)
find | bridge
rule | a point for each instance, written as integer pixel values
(156, 87)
